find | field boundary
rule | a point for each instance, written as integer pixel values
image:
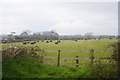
(78, 50)
(75, 58)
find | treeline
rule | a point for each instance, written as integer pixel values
(86, 37)
(27, 35)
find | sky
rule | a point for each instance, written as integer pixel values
(66, 17)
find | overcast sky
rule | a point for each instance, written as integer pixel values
(64, 17)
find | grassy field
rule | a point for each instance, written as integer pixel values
(27, 67)
(71, 45)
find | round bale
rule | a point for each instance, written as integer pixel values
(56, 42)
(32, 42)
(24, 42)
(47, 41)
(50, 40)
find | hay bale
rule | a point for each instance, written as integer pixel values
(4, 42)
(24, 42)
(56, 42)
(42, 40)
(32, 42)
(47, 41)
(50, 40)
(110, 38)
(37, 41)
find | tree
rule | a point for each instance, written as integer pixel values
(88, 35)
(10, 37)
(12, 33)
(26, 32)
(37, 35)
(18, 37)
(54, 35)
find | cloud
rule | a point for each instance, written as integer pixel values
(73, 27)
(80, 21)
(65, 18)
(10, 24)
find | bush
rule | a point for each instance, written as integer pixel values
(111, 70)
(100, 70)
(116, 51)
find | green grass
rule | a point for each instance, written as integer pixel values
(71, 45)
(29, 68)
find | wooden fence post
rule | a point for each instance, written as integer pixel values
(92, 57)
(42, 57)
(77, 61)
(58, 58)
(42, 52)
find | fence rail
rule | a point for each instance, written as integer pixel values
(78, 51)
(75, 58)
(72, 50)
(63, 63)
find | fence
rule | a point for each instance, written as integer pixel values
(77, 57)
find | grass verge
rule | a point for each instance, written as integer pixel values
(27, 67)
